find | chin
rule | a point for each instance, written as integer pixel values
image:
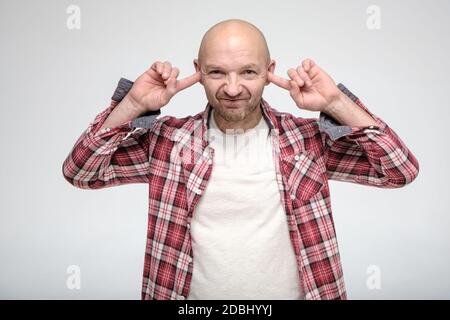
(234, 114)
(231, 114)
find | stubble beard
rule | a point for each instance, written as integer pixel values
(235, 115)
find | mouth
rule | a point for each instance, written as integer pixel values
(232, 103)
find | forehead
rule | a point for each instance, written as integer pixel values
(250, 65)
(233, 52)
(233, 59)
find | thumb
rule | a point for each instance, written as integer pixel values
(294, 88)
(189, 81)
(171, 86)
(279, 81)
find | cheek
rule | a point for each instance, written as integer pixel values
(211, 85)
(210, 89)
(256, 88)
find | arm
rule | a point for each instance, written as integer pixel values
(118, 153)
(361, 148)
(364, 151)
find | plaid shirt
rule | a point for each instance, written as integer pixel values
(173, 157)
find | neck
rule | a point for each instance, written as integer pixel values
(250, 121)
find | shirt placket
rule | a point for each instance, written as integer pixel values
(294, 234)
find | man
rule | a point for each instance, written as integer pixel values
(224, 226)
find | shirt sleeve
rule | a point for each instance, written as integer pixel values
(368, 155)
(111, 156)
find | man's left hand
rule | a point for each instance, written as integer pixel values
(311, 88)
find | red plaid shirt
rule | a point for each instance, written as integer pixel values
(173, 157)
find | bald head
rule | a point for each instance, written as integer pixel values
(234, 62)
(233, 34)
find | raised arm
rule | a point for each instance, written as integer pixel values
(366, 154)
(114, 149)
(358, 146)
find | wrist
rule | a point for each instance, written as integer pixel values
(132, 106)
(335, 104)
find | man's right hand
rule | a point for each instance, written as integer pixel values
(156, 86)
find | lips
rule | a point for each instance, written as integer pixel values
(232, 103)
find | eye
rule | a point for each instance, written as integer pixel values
(250, 71)
(214, 72)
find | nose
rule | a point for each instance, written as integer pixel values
(232, 87)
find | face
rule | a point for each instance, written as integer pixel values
(234, 74)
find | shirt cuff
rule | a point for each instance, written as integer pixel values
(147, 119)
(335, 130)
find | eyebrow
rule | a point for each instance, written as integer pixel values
(249, 65)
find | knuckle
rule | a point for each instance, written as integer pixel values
(155, 65)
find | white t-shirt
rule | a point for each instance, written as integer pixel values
(240, 238)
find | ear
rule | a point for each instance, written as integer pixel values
(270, 68)
(197, 69)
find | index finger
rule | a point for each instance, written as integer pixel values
(307, 64)
(188, 81)
(279, 81)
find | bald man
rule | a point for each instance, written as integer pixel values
(239, 202)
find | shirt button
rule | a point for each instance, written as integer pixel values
(188, 225)
(296, 157)
(198, 191)
(292, 197)
(190, 259)
(181, 297)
